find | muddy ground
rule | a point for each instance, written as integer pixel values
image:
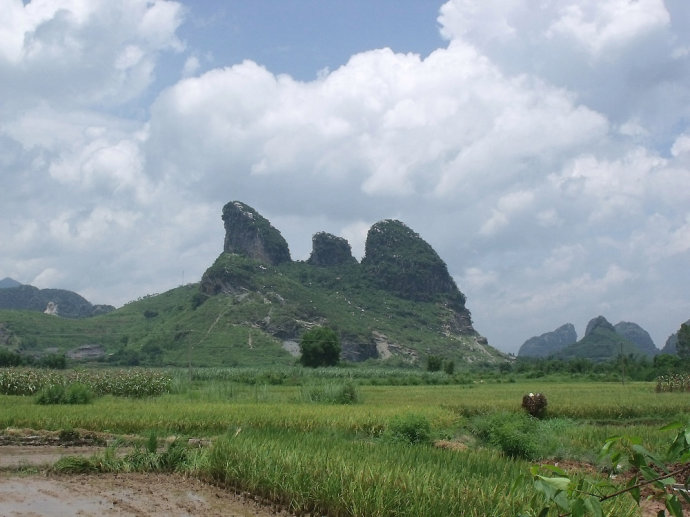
(27, 489)
(140, 495)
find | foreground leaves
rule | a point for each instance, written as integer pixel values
(587, 497)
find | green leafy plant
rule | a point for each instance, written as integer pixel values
(320, 346)
(433, 363)
(76, 393)
(587, 496)
(515, 434)
(410, 428)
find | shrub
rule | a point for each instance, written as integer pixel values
(76, 393)
(320, 346)
(433, 363)
(54, 361)
(410, 428)
(8, 358)
(535, 404)
(53, 394)
(515, 434)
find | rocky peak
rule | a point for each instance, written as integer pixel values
(549, 343)
(633, 332)
(399, 260)
(329, 250)
(250, 234)
(597, 324)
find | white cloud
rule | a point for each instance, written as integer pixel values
(544, 153)
(81, 52)
(599, 25)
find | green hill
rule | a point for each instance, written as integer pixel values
(252, 306)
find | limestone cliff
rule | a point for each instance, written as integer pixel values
(250, 234)
(399, 260)
(329, 250)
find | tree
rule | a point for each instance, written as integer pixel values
(433, 363)
(320, 346)
(683, 346)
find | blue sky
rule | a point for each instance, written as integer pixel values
(542, 150)
(302, 37)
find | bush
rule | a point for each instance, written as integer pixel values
(535, 404)
(433, 363)
(76, 393)
(320, 346)
(54, 394)
(8, 358)
(516, 434)
(411, 429)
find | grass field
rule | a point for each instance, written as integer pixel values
(359, 459)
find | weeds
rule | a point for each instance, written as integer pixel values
(410, 428)
(76, 393)
(515, 434)
(345, 393)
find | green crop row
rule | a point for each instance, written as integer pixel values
(124, 383)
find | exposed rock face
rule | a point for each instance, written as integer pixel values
(250, 234)
(549, 343)
(329, 250)
(599, 324)
(633, 332)
(400, 261)
(51, 309)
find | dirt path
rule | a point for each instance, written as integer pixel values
(140, 495)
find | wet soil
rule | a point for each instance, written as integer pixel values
(141, 495)
(28, 489)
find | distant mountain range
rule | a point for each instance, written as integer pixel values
(602, 341)
(59, 302)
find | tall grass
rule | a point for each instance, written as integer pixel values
(331, 475)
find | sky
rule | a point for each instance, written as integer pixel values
(542, 148)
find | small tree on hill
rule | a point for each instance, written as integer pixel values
(320, 346)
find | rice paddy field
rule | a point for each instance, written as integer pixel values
(335, 444)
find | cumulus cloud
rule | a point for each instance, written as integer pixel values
(544, 152)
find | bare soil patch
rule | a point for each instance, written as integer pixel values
(141, 495)
(28, 490)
